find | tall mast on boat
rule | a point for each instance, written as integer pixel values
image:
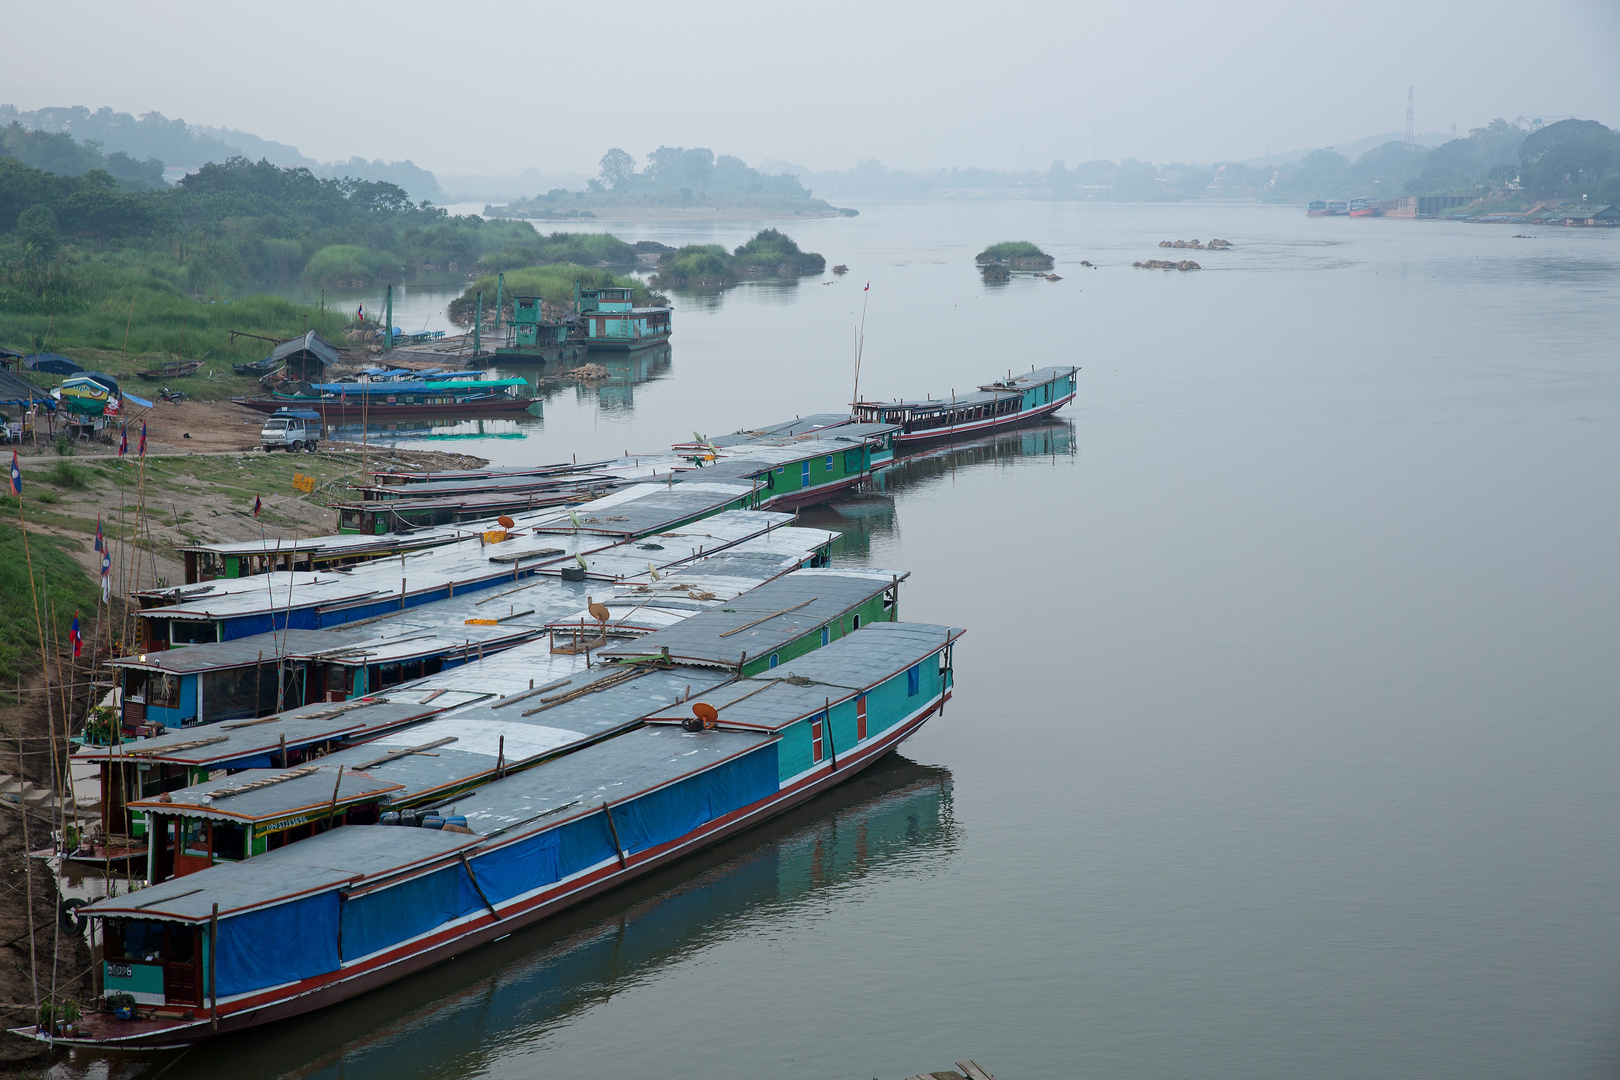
(860, 345)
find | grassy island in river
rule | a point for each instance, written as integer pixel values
(769, 254)
(1014, 255)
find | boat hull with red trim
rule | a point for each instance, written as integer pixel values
(280, 1003)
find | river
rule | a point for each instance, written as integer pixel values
(1284, 738)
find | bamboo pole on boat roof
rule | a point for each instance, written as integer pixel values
(213, 967)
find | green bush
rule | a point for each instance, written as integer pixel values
(343, 263)
(772, 251)
(65, 474)
(1010, 249)
(71, 589)
(696, 265)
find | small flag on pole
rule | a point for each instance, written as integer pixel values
(123, 439)
(106, 576)
(76, 637)
(258, 504)
(101, 544)
(868, 287)
(16, 476)
(143, 439)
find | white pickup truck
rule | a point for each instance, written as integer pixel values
(291, 431)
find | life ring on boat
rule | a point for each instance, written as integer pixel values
(68, 917)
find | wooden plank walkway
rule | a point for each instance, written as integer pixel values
(971, 1070)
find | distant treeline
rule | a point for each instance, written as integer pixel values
(93, 260)
(674, 176)
(1562, 160)
(233, 225)
(154, 137)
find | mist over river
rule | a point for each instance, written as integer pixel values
(1285, 736)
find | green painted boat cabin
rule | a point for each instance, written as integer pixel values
(612, 321)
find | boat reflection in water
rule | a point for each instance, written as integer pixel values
(869, 513)
(444, 428)
(894, 819)
(856, 520)
(615, 393)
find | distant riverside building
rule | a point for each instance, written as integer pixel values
(1585, 216)
(1421, 206)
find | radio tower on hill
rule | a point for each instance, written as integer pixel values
(1411, 130)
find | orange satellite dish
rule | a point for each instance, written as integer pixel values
(505, 522)
(706, 713)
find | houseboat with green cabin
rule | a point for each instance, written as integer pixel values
(613, 322)
(533, 338)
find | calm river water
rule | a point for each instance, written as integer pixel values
(1285, 736)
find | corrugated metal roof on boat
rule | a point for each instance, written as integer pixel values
(220, 655)
(216, 745)
(280, 792)
(467, 561)
(871, 655)
(338, 544)
(761, 620)
(675, 545)
(646, 508)
(482, 735)
(847, 432)
(326, 861)
(611, 772)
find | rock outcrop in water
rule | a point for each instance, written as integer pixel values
(1213, 245)
(1166, 264)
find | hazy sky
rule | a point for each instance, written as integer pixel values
(497, 87)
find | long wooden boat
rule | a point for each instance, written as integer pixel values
(354, 409)
(172, 370)
(1014, 400)
(314, 923)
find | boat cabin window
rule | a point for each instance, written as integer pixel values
(133, 939)
(857, 621)
(194, 837)
(238, 692)
(163, 690)
(776, 658)
(189, 632)
(913, 680)
(829, 462)
(230, 841)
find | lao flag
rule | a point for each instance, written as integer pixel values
(868, 287)
(16, 476)
(258, 504)
(101, 545)
(143, 439)
(106, 577)
(76, 637)
(123, 440)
